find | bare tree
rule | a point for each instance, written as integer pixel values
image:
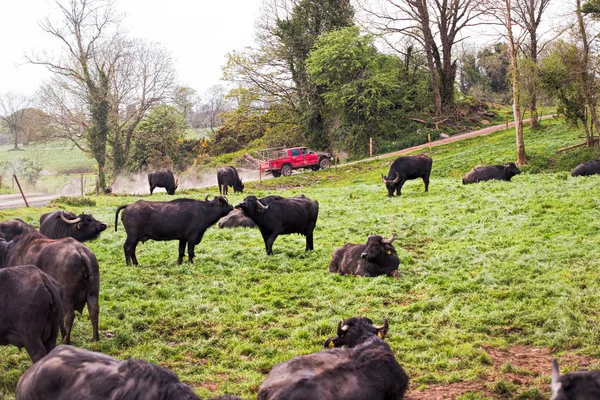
(12, 112)
(211, 105)
(436, 25)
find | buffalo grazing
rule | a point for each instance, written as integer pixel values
(376, 257)
(577, 385)
(185, 220)
(365, 369)
(32, 311)
(72, 264)
(228, 176)
(163, 179)
(275, 215)
(60, 224)
(587, 168)
(406, 168)
(494, 172)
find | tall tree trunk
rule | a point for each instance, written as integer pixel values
(16, 136)
(534, 72)
(521, 157)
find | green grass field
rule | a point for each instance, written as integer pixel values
(484, 268)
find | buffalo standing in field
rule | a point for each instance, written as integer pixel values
(275, 215)
(32, 310)
(72, 264)
(228, 176)
(577, 385)
(587, 168)
(12, 228)
(494, 172)
(405, 168)
(376, 257)
(185, 220)
(236, 219)
(163, 179)
(71, 373)
(365, 369)
(61, 224)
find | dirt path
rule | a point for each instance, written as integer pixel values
(16, 201)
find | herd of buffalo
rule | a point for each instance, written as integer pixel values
(47, 275)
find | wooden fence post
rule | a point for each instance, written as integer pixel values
(507, 122)
(370, 147)
(81, 185)
(21, 190)
(429, 139)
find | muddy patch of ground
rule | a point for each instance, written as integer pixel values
(517, 372)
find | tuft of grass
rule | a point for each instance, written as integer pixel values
(75, 201)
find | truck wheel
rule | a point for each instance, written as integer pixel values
(286, 170)
(324, 163)
(315, 167)
(276, 174)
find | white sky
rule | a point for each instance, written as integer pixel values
(198, 33)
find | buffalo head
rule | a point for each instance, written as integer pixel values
(511, 169)
(391, 183)
(378, 246)
(251, 205)
(238, 186)
(355, 331)
(84, 226)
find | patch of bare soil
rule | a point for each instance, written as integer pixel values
(525, 367)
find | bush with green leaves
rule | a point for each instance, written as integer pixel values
(24, 168)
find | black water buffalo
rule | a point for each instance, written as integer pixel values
(236, 219)
(72, 264)
(12, 228)
(365, 369)
(32, 310)
(494, 172)
(587, 168)
(376, 257)
(228, 176)
(405, 168)
(60, 224)
(163, 179)
(577, 385)
(275, 215)
(185, 220)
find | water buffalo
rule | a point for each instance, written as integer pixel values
(365, 369)
(376, 257)
(577, 385)
(228, 176)
(405, 168)
(163, 179)
(185, 220)
(497, 172)
(587, 168)
(72, 264)
(275, 215)
(32, 310)
(236, 219)
(12, 228)
(60, 224)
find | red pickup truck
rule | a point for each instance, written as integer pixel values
(286, 160)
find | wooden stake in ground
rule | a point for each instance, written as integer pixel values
(21, 190)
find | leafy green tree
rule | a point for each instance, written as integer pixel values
(157, 139)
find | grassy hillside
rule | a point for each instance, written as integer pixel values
(484, 268)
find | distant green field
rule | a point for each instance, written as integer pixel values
(483, 267)
(59, 156)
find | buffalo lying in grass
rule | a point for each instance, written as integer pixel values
(587, 168)
(275, 215)
(228, 176)
(365, 369)
(163, 179)
(72, 373)
(494, 172)
(32, 310)
(376, 257)
(406, 168)
(577, 385)
(185, 220)
(61, 224)
(72, 264)
(236, 219)
(12, 228)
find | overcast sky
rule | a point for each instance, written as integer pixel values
(199, 33)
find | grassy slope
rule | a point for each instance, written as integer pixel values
(495, 263)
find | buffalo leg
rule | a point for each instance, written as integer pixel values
(309, 240)
(129, 248)
(426, 182)
(269, 243)
(94, 310)
(34, 346)
(152, 188)
(191, 247)
(399, 188)
(50, 343)
(220, 189)
(69, 317)
(181, 251)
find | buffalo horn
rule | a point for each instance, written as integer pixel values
(261, 205)
(384, 326)
(397, 178)
(69, 221)
(555, 384)
(390, 240)
(384, 179)
(341, 331)
(176, 182)
(206, 198)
